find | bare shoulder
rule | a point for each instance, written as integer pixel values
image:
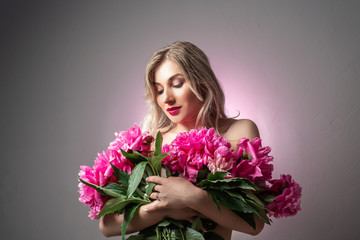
(241, 128)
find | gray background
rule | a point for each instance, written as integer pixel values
(72, 74)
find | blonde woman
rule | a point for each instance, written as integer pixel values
(185, 94)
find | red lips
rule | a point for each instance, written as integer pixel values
(173, 110)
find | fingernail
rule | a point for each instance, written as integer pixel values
(146, 186)
(146, 195)
(145, 209)
(146, 178)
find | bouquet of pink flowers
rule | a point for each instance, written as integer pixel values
(117, 181)
(102, 173)
(241, 181)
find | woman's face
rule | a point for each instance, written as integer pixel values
(174, 95)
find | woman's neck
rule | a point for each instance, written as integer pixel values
(223, 126)
(182, 128)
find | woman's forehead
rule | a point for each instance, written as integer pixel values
(168, 70)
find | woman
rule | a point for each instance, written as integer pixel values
(184, 94)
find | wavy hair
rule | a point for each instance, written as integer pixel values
(202, 81)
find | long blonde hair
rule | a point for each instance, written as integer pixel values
(202, 81)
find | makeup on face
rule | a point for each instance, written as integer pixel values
(174, 96)
(173, 110)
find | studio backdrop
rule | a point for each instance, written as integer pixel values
(72, 74)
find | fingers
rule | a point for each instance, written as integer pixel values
(157, 188)
(155, 195)
(156, 179)
(155, 205)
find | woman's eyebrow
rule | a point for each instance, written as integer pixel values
(174, 76)
(171, 78)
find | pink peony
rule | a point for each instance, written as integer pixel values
(287, 197)
(88, 195)
(132, 139)
(223, 160)
(257, 167)
(102, 173)
(191, 151)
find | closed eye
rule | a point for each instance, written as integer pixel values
(158, 92)
(179, 85)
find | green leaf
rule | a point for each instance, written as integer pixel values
(236, 195)
(149, 188)
(250, 156)
(102, 190)
(248, 217)
(213, 196)
(118, 204)
(116, 188)
(135, 178)
(168, 171)
(179, 224)
(196, 224)
(164, 223)
(253, 203)
(263, 217)
(156, 162)
(234, 203)
(267, 197)
(175, 234)
(246, 155)
(136, 237)
(133, 157)
(217, 175)
(201, 175)
(258, 205)
(142, 156)
(254, 200)
(121, 176)
(148, 232)
(193, 235)
(128, 215)
(158, 144)
(139, 192)
(229, 183)
(148, 172)
(143, 185)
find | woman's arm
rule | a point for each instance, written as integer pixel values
(180, 199)
(175, 192)
(110, 224)
(225, 217)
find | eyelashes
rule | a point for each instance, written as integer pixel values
(158, 92)
(179, 85)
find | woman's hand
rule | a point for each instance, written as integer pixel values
(174, 195)
(185, 213)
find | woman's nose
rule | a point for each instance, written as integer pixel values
(168, 97)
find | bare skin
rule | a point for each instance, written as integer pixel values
(180, 199)
(183, 201)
